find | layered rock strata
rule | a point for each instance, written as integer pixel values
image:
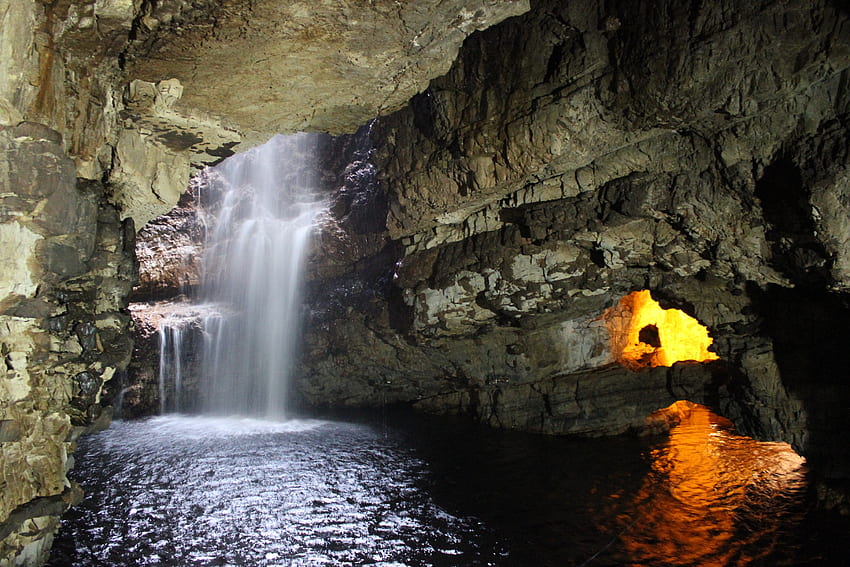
(578, 153)
(91, 148)
(68, 268)
(569, 157)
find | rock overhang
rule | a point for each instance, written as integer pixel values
(280, 67)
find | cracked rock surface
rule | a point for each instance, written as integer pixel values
(566, 155)
(104, 117)
(570, 156)
(246, 61)
(577, 153)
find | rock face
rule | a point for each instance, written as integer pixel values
(368, 58)
(569, 156)
(88, 150)
(169, 251)
(578, 153)
(67, 256)
(161, 380)
(68, 268)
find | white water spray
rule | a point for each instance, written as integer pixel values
(263, 206)
(170, 364)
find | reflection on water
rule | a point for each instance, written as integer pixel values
(201, 492)
(712, 498)
(179, 491)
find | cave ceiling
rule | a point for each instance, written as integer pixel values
(270, 66)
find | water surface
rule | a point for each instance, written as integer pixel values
(189, 491)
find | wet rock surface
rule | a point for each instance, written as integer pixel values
(68, 268)
(569, 156)
(523, 199)
(574, 154)
(144, 392)
(169, 252)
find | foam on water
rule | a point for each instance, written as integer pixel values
(197, 427)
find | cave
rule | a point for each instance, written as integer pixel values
(505, 183)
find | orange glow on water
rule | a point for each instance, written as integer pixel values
(702, 482)
(643, 334)
(688, 510)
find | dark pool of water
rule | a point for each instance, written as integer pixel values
(189, 491)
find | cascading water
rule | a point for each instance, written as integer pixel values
(170, 364)
(260, 210)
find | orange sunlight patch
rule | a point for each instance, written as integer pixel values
(643, 334)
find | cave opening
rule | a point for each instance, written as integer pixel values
(643, 334)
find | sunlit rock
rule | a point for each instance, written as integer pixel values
(644, 334)
(282, 67)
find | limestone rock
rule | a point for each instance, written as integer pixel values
(62, 332)
(570, 155)
(19, 247)
(149, 178)
(549, 173)
(607, 402)
(831, 209)
(17, 66)
(169, 250)
(59, 68)
(563, 109)
(281, 67)
(158, 148)
(146, 384)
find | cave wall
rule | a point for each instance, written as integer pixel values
(67, 261)
(68, 268)
(585, 150)
(328, 66)
(94, 144)
(568, 156)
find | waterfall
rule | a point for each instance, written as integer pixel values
(170, 364)
(260, 209)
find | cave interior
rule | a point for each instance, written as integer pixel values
(511, 183)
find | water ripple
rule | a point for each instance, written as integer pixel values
(200, 491)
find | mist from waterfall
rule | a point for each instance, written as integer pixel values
(260, 208)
